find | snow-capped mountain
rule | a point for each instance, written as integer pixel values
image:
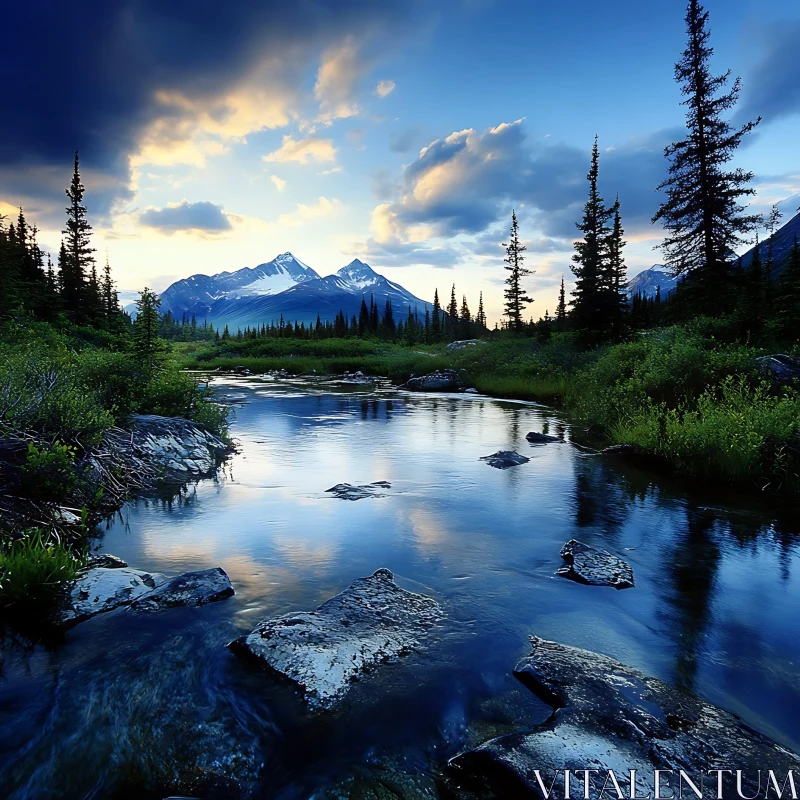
(648, 281)
(781, 244)
(198, 293)
(288, 287)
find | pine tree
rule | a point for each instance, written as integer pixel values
(79, 258)
(615, 278)
(452, 314)
(146, 342)
(753, 296)
(481, 316)
(773, 220)
(110, 300)
(388, 319)
(787, 300)
(590, 261)
(561, 308)
(704, 219)
(373, 315)
(514, 294)
(436, 317)
(465, 319)
(363, 318)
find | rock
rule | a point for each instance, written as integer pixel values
(447, 380)
(779, 368)
(103, 589)
(464, 343)
(346, 491)
(586, 564)
(471, 390)
(105, 560)
(191, 589)
(503, 459)
(611, 717)
(181, 448)
(66, 517)
(541, 438)
(323, 651)
(242, 370)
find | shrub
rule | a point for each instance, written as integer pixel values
(47, 473)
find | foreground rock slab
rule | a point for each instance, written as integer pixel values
(179, 447)
(102, 589)
(323, 651)
(503, 459)
(447, 380)
(191, 589)
(347, 491)
(587, 564)
(608, 716)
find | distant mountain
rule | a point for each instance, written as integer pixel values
(782, 244)
(647, 282)
(288, 287)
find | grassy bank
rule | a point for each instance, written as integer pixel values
(691, 394)
(61, 390)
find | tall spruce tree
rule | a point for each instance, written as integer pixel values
(363, 318)
(702, 212)
(436, 317)
(561, 308)
(787, 299)
(773, 221)
(146, 342)
(515, 297)
(465, 320)
(452, 314)
(480, 318)
(78, 251)
(589, 304)
(614, 287)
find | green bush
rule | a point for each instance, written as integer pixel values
(47, 473)
(33, 569)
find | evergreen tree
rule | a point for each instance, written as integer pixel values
(589, 311)
(480, 318)
(79, 259)
(773, 220)
(514, 294)
(373, 315)
(615, 278)
(436, 315)
(363, 318)
(452, 314)
(146, 342)
(787, 300)
(753, 296)
(109, 295)
(465, 320)
(388, 319)
(544, 328)
(704, 219)
(561, 308)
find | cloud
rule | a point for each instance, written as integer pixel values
(312, 148)
(403, 141)
(186, 216)
(336, 79)
(385, 88)
(161, 86)
(773, 89)
(303, 213)
(399, 254)
(280, 184)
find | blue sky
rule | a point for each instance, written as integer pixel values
(400, 132)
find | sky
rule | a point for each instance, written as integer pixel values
(216, 136)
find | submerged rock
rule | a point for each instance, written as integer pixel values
(181, 448)
(586, 564)
(503, 459)
(189, 589)
(611, 717)
(347, 491)
(541, 438)
(779, 368)
(448, 380)
(105, 560)
(323, 651)
(102, 589)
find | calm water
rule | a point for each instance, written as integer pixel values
(128, 703)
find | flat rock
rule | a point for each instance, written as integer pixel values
(181, 448)
(323, 651)
(447, 380)
(463, 344)
(102, 589)
(503, 459)
(347, 491)
(779, 368)
(541, 438)
(105, 560)
(608, 716)
(191, 589)
(587, 564)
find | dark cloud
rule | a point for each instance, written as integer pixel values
(398, 254)
(87, 75)
(186, 216)
(772, 91)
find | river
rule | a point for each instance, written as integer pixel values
(132, 704)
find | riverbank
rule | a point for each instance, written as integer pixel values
(692, 395)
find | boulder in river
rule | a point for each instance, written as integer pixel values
(191, 589)
(103, 589)
(181, 448)
(323, 651)
(347, 491)
(541, 438)
(586, 564)
(503, 459)
(609, 717)
(446, 380)
(779, 368)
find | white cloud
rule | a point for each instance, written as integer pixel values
(303, 213)
(280, 184)
(311, 148)
(336, 78)
(385, 88)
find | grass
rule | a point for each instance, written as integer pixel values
(33, 570)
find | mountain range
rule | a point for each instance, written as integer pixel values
(288, 287)
(647, 282)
